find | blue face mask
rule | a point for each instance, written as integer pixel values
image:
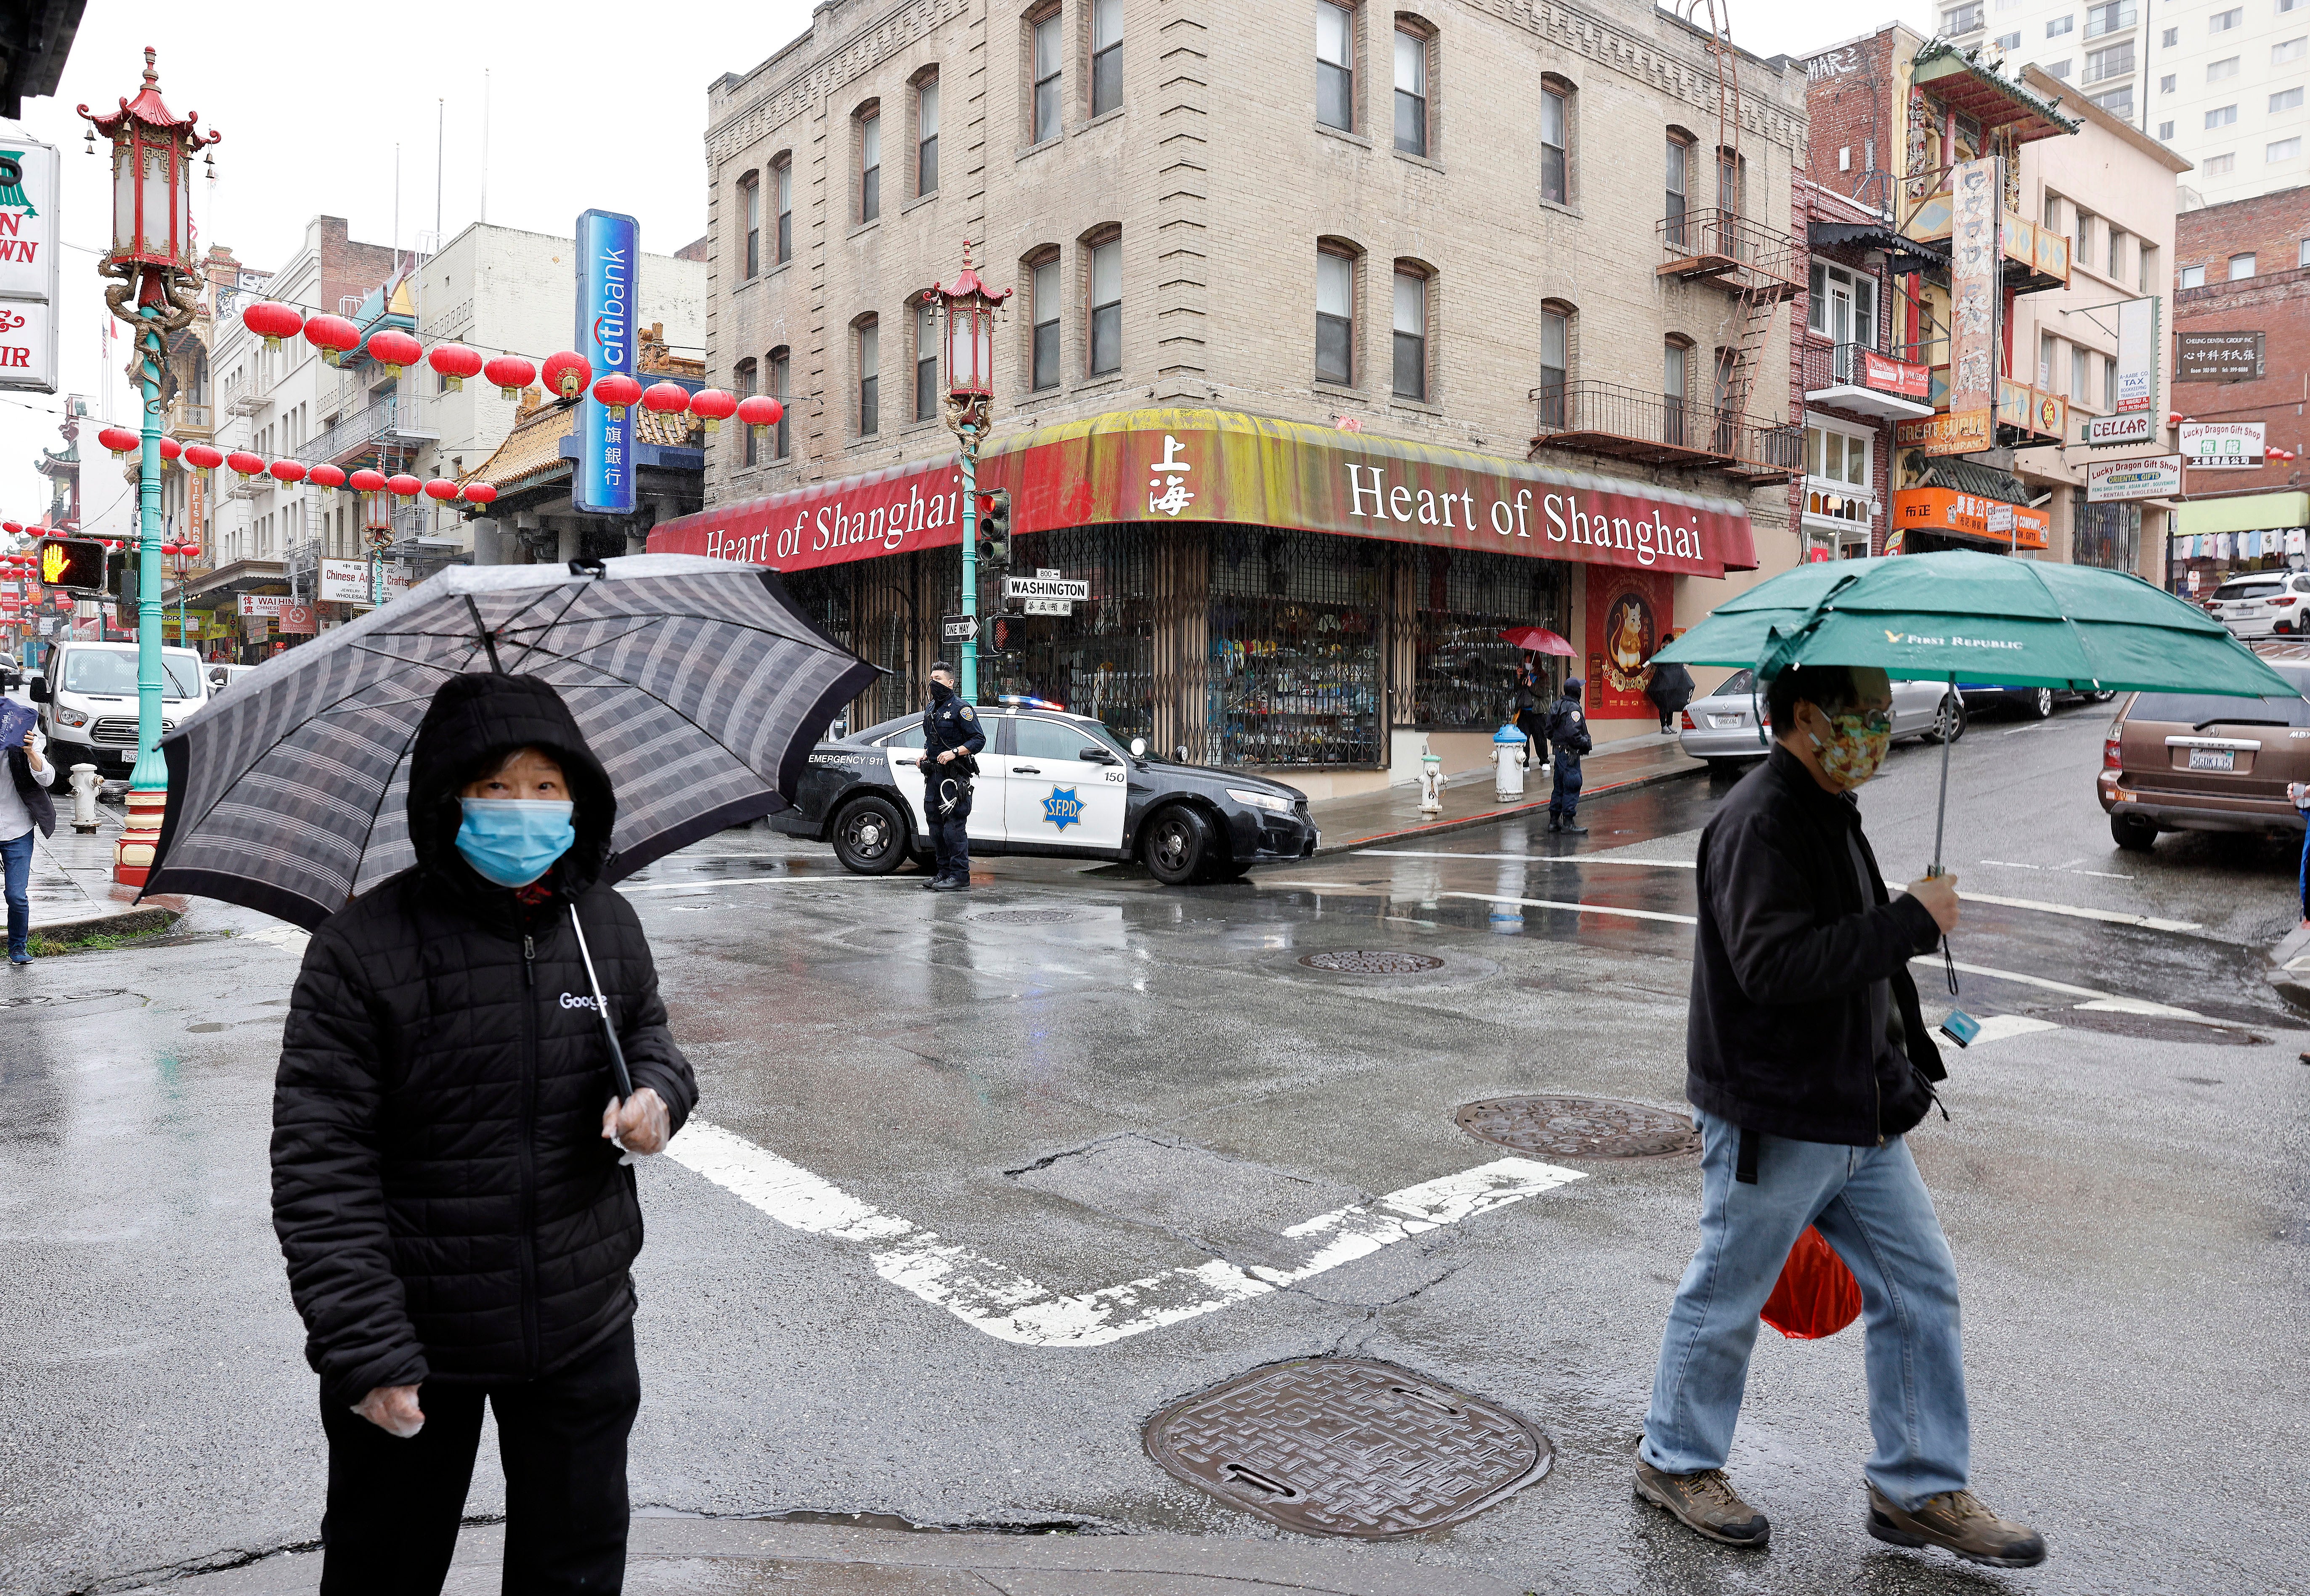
(513, 841)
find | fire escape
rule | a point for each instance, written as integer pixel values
(1758, 267)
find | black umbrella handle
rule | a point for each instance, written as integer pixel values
(619, 1074)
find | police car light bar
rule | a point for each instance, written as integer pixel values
(1024, 702)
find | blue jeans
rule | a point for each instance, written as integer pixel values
(17, 857)
(1870, 1206)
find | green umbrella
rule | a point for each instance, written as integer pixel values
(1981, 617)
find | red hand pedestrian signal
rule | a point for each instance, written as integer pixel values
(73, 563)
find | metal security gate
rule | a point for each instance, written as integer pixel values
(1101, 660)
(1297, 624)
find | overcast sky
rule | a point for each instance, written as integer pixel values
(313, 102)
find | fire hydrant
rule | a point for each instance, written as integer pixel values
(1511, 752)
(1432, 780)
(84, 783)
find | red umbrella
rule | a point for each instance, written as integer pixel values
(1537, 639)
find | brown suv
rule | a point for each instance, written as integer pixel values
(2198, 763)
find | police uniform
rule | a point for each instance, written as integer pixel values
(1567, 731)
(950, 724)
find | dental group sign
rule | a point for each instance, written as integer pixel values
(609, 248)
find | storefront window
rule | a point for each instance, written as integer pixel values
(1100, 661)
(1464, 675)
(2108, 536)
(1295, 627)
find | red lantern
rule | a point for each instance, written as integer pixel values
(511, 373)
(665, 399)
(334, 336)
(441, 490)
(204, 457)
(713, 406)
(761, 413)
(245, 462)
(567, 374)
(273, 322)
(393, 349)
(118, 439)
(328, 479)
(286, 472)
(454, 363)
(170, 448)
(403, 484)
(480, 493)
(190, 551)
(171, 549)
(617, 391)
(366, 481)
(12, 528)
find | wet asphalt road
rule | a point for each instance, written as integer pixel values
(1123, 1091)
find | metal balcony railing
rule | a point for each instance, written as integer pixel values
(2108, 19)
(404, 420)
(184, 416)
(1847, 365)
(1707, 241)
(1602, 418)
(2103, 72)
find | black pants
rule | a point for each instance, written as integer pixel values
(395, 1505)
(1564, 799)
(949, 832)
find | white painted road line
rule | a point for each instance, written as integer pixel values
(707, 882)
(993, 1299)
(2107, 1002)
(1530, 858)
(1585, 909)
(1998, 1028)
(2107, 916)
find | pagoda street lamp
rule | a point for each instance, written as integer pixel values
(970, 311)
(152, 258)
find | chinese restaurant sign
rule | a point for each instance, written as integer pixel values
(1973, 291)
(1945, 510)
(1189, 465)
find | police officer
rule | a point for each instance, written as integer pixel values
(1568, 729)
(952, 736)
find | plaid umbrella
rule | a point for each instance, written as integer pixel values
(699, 685)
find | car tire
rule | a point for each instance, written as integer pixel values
(1176, 845)
(1949, 720)
(2132, 833)
(2039, 704)
(2104, 696)
(870, 837)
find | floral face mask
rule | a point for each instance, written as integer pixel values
(1855, 746)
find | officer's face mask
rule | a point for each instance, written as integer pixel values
(513, 841)
(939, 691)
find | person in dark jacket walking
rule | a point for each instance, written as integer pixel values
(448, 1183)
(25, 807)
(1807, 1061)
(1670, 688)
(952, 738)
(1567, 735)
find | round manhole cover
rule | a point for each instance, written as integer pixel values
(1367, 961)
(2156, 1028)
(1581, 1127)
(1026, 917)
(1348, 1446)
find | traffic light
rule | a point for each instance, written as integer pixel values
(994, 528)
(1007, 633)
(75, 564)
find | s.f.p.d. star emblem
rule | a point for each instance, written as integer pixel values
(1063, 809)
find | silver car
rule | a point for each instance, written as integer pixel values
(2263, 604)
(1722, 727)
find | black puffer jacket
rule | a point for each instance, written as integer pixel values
(1784, 1037)
(440, 1186)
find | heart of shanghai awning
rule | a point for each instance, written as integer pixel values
(1210, 465)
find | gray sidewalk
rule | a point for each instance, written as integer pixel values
(760, 1557)
(1389, 816)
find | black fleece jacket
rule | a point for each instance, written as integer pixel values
(443, 1195)
(1782, 1037)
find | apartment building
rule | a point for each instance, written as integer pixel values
(1341, 338)
(2221, 82)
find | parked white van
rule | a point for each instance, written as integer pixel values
(87, 695)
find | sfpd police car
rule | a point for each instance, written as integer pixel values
(1049, 783)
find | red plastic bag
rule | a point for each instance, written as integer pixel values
(1817, 1295)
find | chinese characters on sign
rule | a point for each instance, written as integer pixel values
(2218, 356)
(1973, 312)
(2222, 446)
(1170, 475)
(608, 247)
(2157, 476)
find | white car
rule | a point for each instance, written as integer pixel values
(2263, 604)
(87, 695)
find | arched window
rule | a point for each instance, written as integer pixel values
(1556, 346)
(1415, 67)
(1335, 311)
(1676, 384)
(781, 388)
(745, 384)
(926, 359)
(1103, 274)
(1414, 322)
(1681, 149)
(782, 203)
(868, 139)
(1335, 64)
(749, 220)
(1106, 55)
(1046, 72)
(926, 131)
(866, 345)
(1558, 101)
(1039, 269)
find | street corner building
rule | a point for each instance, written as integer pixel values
(1345, 338)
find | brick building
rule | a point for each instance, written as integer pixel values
(1345, 278)
(2244, 267)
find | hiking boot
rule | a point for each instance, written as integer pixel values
(1556, 823)
(1705, 1502)
(1958, 1522)
(952, 884)
(1575, 829)
(933, 883)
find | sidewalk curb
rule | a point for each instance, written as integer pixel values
(1444, 828)
(126, 923)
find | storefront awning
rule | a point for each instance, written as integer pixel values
(2248, 512)
(1206, 465)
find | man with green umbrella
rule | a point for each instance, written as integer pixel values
(1807, 1061)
